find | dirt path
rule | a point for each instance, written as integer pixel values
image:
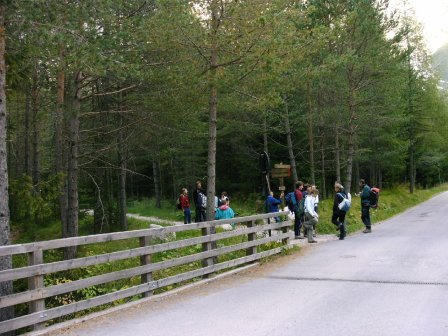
(153, 219)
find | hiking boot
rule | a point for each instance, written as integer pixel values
(367, 231)
(299, 237)
(313, 241)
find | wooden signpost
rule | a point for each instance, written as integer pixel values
(281, 171)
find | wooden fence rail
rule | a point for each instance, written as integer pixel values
(37, 269)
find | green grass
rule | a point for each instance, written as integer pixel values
(147, 207)
(391, 202)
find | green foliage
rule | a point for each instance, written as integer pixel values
(30, 202)
(147, 207)
(392, 202)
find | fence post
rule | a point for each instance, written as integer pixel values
(146, 260)
(35, 282)
(208, 246)
(285, 229)
(251, 237)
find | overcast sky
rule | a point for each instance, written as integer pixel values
(433, 15)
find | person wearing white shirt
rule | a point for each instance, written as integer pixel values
(311, 216)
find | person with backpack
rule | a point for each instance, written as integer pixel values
(184, 201)
(338, 217)
(305, 191)
(365, 205)
(316, 208)
(299, 209)
(311, 216)
(200, 202)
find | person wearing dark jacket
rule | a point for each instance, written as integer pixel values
(365, 205)
(272, 204)
(298, 212)
(338, 217)
(198, 194)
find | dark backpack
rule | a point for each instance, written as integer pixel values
(374, 197)
(301, 206)
(179, 204)
(291, 201)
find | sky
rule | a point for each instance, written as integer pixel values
(433, 15)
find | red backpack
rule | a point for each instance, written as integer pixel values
(374, 197)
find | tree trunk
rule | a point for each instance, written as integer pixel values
(160, 179)
(338, 157)
(155, 173)
(357, 173)
(122, 176)
(212, 131)
(265, 178)
(265, 135)
(109, 200)
(351, 154)
(35, 111)
(213, 114)
(59, 144)
(98, 212)
(311, 135)
(72, 173)
(410, 110)
(322, 157)
(411, 168)
(351, 128)
(5, 262)
(175, 178)
(292, 158)
(27, 132)
(380, 178)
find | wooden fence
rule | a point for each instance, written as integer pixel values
(37, 269)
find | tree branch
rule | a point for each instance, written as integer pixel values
(109, 93)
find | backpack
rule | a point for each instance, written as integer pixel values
(374, 197)
(202, 200)
(346, 202)
(291, 201)
(178, 203)
(301, 206)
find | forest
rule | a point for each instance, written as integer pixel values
(108, 101)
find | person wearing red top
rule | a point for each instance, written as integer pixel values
(185, 204)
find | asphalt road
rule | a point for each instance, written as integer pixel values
(393, 281)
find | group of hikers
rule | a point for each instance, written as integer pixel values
(222, 205)
(303, 203)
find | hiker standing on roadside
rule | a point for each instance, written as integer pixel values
(272, 204)
(185, 205)
(305, 192)
(365, 205)
(311, 217)
(298, 211)
(198, 199)
(316, 208)
(338, 217)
